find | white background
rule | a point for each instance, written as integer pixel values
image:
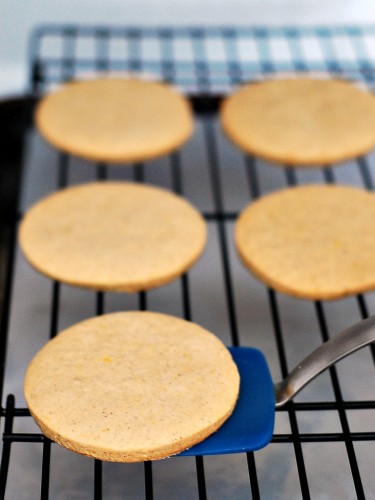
(19, 17)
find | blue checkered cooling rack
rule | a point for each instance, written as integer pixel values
(203, 60)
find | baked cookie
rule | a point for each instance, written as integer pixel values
(301, 121)
(115, 119)
(131, 386)
(113, 236)
(314, 241)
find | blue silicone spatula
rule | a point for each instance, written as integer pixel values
(250, 427)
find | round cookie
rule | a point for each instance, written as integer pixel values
(301, 121)
(131, 386)
(115, 119)
(114, 236)
(315, 241)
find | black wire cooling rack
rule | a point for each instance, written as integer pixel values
(323, 445)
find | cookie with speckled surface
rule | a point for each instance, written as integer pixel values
(113, 236)
(314, 241)
(131, 386)
(115, 119)
(301, 121)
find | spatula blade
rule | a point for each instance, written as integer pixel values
(250, 427)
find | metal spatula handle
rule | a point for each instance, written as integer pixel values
(339, 346)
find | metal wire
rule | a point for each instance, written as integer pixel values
(206, 80)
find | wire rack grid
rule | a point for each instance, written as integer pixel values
(323, 441)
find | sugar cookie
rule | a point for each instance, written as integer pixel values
(301, 121)
(115, 119)
(314, 241)
(131, 386)
(114, 236)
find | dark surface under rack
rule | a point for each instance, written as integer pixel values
(323, 446)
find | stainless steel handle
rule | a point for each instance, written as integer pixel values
(339, 346)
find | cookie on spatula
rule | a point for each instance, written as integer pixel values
(131, 386)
